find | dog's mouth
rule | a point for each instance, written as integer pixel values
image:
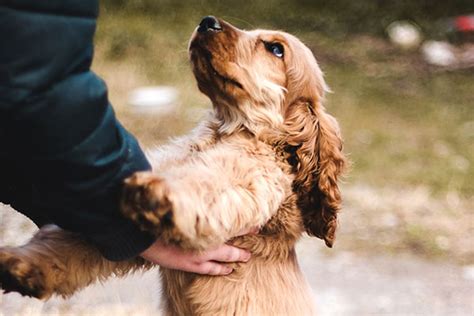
(223, 78)
(212, 72)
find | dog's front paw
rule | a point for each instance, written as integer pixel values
(145, 201)
(18, 274)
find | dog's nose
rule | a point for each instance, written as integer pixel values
(209, 23)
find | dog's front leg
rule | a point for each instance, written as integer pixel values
(55, 261)
(208, 200)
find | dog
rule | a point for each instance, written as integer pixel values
(268, 156)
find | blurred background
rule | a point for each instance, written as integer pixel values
(402, 76)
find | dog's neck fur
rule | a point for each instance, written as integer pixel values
(255, 116)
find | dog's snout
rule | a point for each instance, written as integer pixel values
(209, 23)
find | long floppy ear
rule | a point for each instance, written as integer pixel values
(315, 148)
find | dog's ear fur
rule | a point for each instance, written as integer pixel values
(315, 148)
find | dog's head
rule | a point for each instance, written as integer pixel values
(269, 83)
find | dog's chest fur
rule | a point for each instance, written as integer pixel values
(254, 286)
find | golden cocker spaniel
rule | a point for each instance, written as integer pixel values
(267, 156)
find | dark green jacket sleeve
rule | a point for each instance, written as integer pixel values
(66, 153)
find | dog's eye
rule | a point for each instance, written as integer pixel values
(275, 48)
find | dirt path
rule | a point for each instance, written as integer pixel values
(343, 284)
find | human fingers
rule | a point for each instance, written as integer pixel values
(226, 253)
(175, 258)
(211, 268)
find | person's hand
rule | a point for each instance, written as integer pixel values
(208, 262)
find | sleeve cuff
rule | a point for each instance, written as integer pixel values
(122, 243)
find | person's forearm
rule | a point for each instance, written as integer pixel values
(58, 125)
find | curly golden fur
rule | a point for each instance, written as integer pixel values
(268, 155)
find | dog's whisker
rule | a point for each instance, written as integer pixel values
(228, 17)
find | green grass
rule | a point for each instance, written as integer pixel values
(419, 136)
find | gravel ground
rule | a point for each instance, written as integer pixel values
(344, 283)
(347, 284)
